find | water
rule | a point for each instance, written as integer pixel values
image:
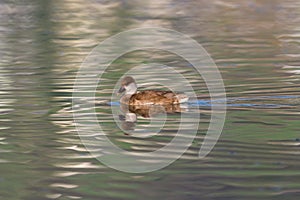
(256, 47)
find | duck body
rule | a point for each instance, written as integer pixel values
(147, 97)
(152, 97)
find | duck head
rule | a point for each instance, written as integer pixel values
(128, 86)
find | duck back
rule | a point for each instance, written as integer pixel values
(150, 97)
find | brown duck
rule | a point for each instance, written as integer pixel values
(147, 97)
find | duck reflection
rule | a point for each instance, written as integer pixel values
(131, 112)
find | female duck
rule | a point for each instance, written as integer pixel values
(147, 97)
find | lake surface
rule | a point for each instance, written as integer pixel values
(255, 45)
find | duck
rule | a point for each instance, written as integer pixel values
(132, 96)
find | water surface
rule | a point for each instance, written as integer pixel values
(256, 47)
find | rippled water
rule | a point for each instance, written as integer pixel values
(256, 47)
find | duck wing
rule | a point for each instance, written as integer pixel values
(152, 97)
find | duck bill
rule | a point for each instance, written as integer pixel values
(121, 90)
